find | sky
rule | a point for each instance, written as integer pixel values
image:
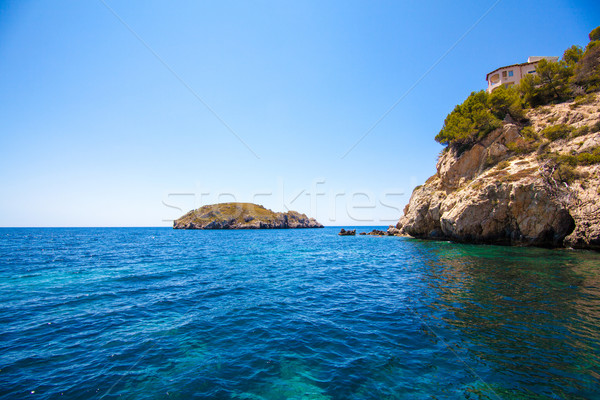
(120, 113)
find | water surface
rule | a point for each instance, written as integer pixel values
(152, 313)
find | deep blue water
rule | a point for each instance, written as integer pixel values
(152, 313)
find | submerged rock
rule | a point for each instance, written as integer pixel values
(242, 216)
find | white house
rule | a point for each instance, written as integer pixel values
(512, 74)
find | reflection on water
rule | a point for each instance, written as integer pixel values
(531, 315)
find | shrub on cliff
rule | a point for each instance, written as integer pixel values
(529, 133)
(576, 72)
(469, 121)
(595, 34)
(554, 82)
(555, 132)
(504, 102)
(572, 55)
(587, 71)
(565, 173)
(480, 114)
(589, 157)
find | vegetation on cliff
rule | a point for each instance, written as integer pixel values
(479, 115)
(522, 164)
(576, 75)
(535, 185)
(242, 216)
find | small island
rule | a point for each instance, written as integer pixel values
(242, 216)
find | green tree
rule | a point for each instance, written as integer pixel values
(553, 82)
(572, 55)
(586, 74)
(553, 78)
(587, 71)
(469, 121)
(595, 34)
(549, 84)
(528, 92)
(504, 102)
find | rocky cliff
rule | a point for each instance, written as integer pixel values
(537, 185)
(242, 216)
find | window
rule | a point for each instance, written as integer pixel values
(510, 73)
(531, 72)
(504, 74)
(494, 79)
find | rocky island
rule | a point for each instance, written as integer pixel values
(522, 164)
(242, 216)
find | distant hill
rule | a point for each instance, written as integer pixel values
(242, 216)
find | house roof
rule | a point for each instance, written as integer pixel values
(509, 66)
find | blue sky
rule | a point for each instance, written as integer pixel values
(119, 113)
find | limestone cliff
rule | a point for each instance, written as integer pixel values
(517, 186)
(242, 216)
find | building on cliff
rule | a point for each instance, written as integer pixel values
(512, 74)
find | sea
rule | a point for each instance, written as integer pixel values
(157, 313)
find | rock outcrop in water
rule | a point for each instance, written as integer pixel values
(517, 189)
(242, 216)
(375, 232)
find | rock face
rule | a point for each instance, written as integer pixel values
(344, 232)
(377, 232)
(500, 191)
(242, 216)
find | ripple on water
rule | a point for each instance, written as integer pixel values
(291, 314)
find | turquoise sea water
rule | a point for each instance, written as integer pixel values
(153, 313)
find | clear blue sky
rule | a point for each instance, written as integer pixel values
(105, 117)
